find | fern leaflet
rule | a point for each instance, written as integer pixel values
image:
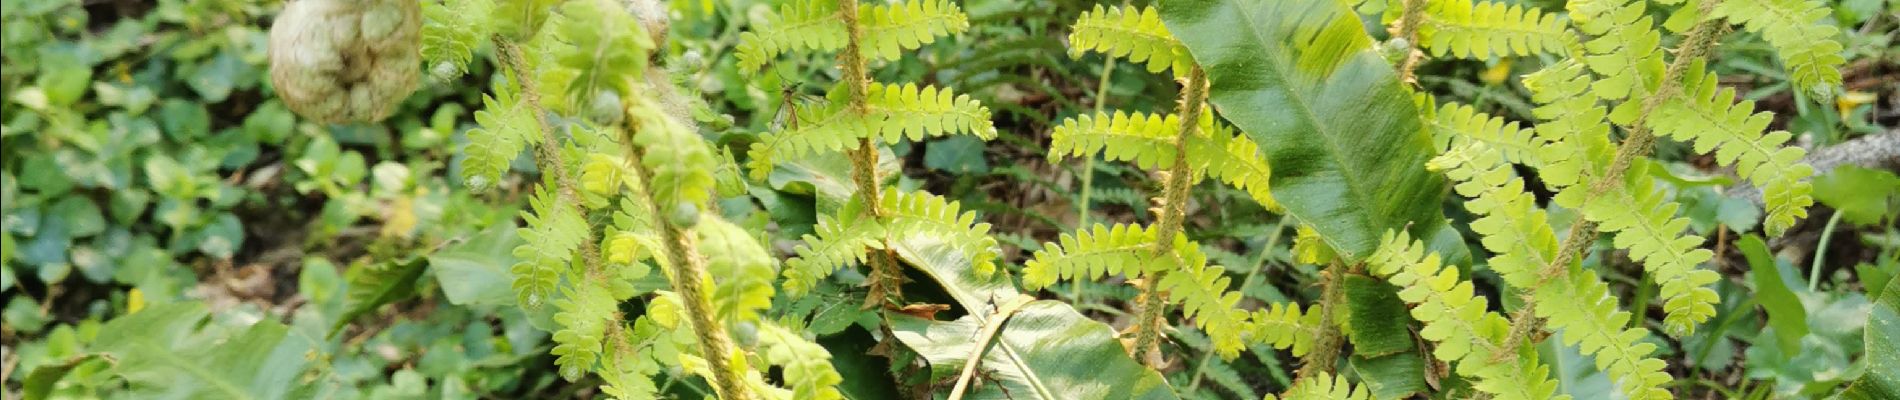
(506, 127)
(837, 243)
(892, 112)
(680, 162)
(450, 35)
(1733, 131)
(891, 28)
(553, 233)
(798, 25)
(1137, 35)
(1482, 29)
(1085, 255)
(1201, 290)
(1794, 27)
(1580, 304)
(1284, 326)
(1454, 124)
(1325, 386)
(741, 269)
(1626, 52)
(583, 318)
(806, 365)
(1645, 223)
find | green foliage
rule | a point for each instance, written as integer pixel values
(798, 25)
(1046, 351)
(585, 311)
(1324, 386)
(893, 112)
(1136, 35)
(555, 231)
(1712, 120)
(681, 163)
(1084, 255)
(1202, 292)
(1284, 326)
(818, 25)
(1883, 352)
(1806, 45)
(451, 33)
(891, 28)
(1466, 332)
(1148, 141)
(742, 272)
(1484, 29)
(506, 128)
(807, 366)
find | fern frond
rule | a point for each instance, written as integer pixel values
(1284, 326)
(1511, 224)
(909, 111)
(1645, 223)
(1708, 116)
(1574, 124)
(1201, 290)
(553, 233)
(451, 34)
(740, 268)
(1325, 386)
(798, 25)
(1091, 255)
(1626, 52)
(1458, 320)
(837, 244)
(1580, 305)
(1482, 29)
(1454, 124)
(921, 213)
(1309, 248)
(1145, 139)
(584, 315)
(680, 162)
(1137, 35)
(1795, 28)
(822, 128)
(892, 28)
(505, 128)
(1234, 160)
(633, 358)
(805, 365)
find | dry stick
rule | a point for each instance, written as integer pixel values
(1174, 208)
(982, 343)
(1583, 232)
(886, 280)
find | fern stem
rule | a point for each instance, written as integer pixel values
(1820, 251)
(886, 281)
(550, 148)
(1638, 144)
(1259, 262)
(1408, 29)
(1174, 209)
(1326, 347)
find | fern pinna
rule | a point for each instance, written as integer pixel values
(647, 171)
(1185, 146)
(856, 116)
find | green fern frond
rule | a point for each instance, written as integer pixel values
(1201, 290)
(1706, 115)
(602, 177)
(798, 25)
(1284, 326)
(837, 244)
(1796, 29)
(1459, 321)
(1136, 35)
(1234, 160)
(584, 315)
(909, 111)
(553, 233)
(822, 128)
(680, 162)
(1626, 52)
(921, 213)
(603, 44)
(1579, 304)
(1325, 386)
(806, 365)
(1309, 248)
(634, 358)
(892, 28)
(1091, 255)
(1573, 123)
(1147, 140)
(1511, 224)
(451, 34)
(1482, 29)
(740, 268)
(505, 128)
(1645, 223)
(1454, 124)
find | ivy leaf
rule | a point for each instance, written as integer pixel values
(1346, 144)
(1045, 351)
(1883, 352)
(1785, 312)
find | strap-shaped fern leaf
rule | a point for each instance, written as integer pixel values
(1091, 255)
(1580, 305)
(1733, 131)
(1454, 124)
(1626, 52)
(891, 28)
(798, 25)
(1137, 35)
(1805, 44)
(1645, 223)
(584, 315)
(837, 244)
(1459, 321)
(505, 128)
(553, 233)
(741, 269)
(893, 112)
(1201, 290)
(1325, 386)
(1483, 29)
(920, 213)
(806, 365)
(1284, 326)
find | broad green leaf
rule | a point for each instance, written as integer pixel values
(1393, 376)
(476, 271)
(1863, 194)
(1882, 381)
(1044, 351)
(1785, 312)
(1344, 138)
(373, 285)
(44, 379)
(1380, 322)
(172, 352)
(952, 269)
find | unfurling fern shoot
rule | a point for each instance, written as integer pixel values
(856, 117)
